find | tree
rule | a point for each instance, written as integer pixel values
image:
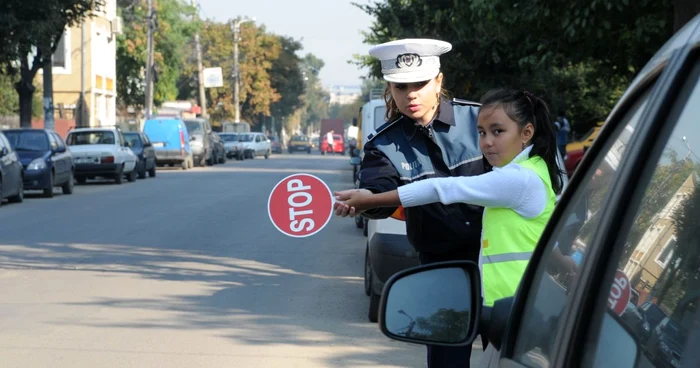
(29, 34)
(9, 100)
(286, 78)
(578, 55)
(316, 99)
(257, 51)
(173, 34)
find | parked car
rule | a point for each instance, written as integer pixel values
(101, 152)
(299, 143)
(11, 171)
(219, 151)
(233, 146)
(275, 143)
(201, 141)
(170, 140)
(47, 162)
(632, 209)
(143, 149)
(255, 144)
(338, 145)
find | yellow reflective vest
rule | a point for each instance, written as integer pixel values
(508, 240)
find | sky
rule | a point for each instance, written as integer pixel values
(329, 29)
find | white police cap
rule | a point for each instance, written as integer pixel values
(410, 60)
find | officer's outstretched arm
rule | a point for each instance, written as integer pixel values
(378, 175)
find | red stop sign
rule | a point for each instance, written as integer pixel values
(300, 205)
(619, 293)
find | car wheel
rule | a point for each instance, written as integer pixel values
(142, 170)
(152, 172)
(1, 197)
(119, 178)
(132, 175)
(185, 164)
(368, 273)
(267, 154)
(68, 186)
(364, 228)
(81, 179)
(48, 191)
(19, 197)
(373, 313)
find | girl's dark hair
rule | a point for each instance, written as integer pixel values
(524, 107)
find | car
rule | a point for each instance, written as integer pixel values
(219, 151)
(275, 143)
(201, 141)
(338, 145)
(627, 220)
(11, 172)
(299, 143)
(47, 162)
(233, 146)
(255, 144)
(171, 141)
(101, 152)
(143, 149)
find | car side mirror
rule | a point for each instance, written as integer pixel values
(4, 151)
(61, 149)
(126, 144)
(193, 138)
(445, 312)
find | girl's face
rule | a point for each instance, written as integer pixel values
(500, 137)
(419, 100)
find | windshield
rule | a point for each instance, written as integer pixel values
(246, 137)
(230, 137)
(299, 139)
(28, 140)
(90, 137)
(134, 139)
(194, 127)
(675, 331)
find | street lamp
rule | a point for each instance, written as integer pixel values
(236, 27)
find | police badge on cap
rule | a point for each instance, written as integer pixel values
(410, 60)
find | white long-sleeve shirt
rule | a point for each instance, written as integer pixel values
(511, 186)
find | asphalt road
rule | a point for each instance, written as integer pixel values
(186, 270)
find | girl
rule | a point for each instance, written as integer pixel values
(517, 137)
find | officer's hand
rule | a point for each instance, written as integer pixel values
(347, 201)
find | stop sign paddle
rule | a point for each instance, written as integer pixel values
(619, 293)
(300, 205)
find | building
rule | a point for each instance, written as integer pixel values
(99, 48)
(654, 252)
(343, 95)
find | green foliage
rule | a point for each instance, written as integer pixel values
(578, 55)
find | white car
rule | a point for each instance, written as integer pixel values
(101, 152)
(255, 144)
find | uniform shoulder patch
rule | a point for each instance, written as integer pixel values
(382, 128)
(458, 101)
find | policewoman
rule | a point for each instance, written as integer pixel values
(426, 135)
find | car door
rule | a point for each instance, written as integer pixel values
(148, 151)
(56, 158)
(66, 157)
(628, 221)
(11, 167)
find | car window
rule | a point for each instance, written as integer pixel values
(194, 127)
(52, 141)
(133, 139)
(59, 140)
(548, 294)
(660, 259)
(90, 137)
(28, 140)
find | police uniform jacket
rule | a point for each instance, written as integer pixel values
(400, 152)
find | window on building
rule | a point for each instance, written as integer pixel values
(60, 56)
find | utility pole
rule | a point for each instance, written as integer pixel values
(200, 74)
(82, 120)
(149, 63)
(236, 67)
